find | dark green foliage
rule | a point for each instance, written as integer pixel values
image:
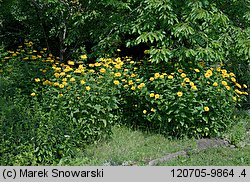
(172, 33)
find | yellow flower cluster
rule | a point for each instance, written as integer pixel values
(208, 74)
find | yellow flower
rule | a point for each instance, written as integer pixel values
(47, 82)
(227, 87)
(215, 84)
(61, 86)
(194, 88)
(157, 96)
(97, 64)
(141, 85)
(118, 50)
(116, 82)
(102, 70)
(245, 93)
(238, 85)
(62, 74)
(138, 80)
(151, 95)
(130, 82)
(33, 94)
(152, 109)
(37, 80)
(237, 91)
(64, 83)
(118, 74)
(224, 71)
(233, 79)
(234, 98)
(170, 77)
(157, 75)
(208, 73)
(197, 70)
(162, 76)
(56, 84)
(225, 75)
(244, 85)
(206, 108)
(64, 79)
(186, 79)
(91, 65)
(232, 74)
(71, 63)
(57, 75)
(118, 66)
(77, 71)
(180, 70)
(58, 69)
(183, 84)
(133, 88)
(82, 82)
(72, 79)
(191, 84)
(151, 78)
(179, 94)
(133, 75)
(84, 56)
(144, 111)
(68, 76)
(224, 83)
(87, 88)
(60, 95)
(183, 75)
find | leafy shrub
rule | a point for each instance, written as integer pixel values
(197, 101)
(85, 98)
(56, 115)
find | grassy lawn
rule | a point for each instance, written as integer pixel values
(128, 147)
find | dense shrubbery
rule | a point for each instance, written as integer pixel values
(174, 30)
(71, 105)
(188, 82)
(67, 112)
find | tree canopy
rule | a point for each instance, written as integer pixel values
(172, 31)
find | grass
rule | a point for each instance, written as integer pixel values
(129, 147)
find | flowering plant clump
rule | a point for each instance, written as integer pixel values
(196, 102)
(85, 95)
(74, 101)
(80, 101)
